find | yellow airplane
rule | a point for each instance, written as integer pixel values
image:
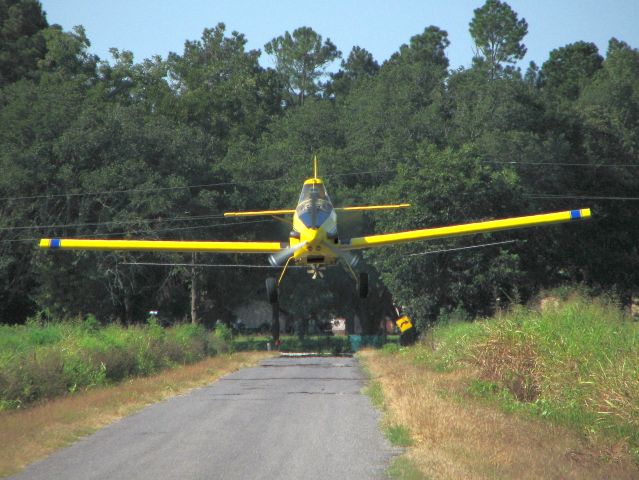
(314, 239)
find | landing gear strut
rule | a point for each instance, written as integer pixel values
(362, 285)
(272, 296)
(271, 290)
(275, 324)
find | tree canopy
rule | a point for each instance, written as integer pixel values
(498, 34)
(301, 59)
(160, 148)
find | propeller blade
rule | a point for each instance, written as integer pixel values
(349, 257)
(280, 258)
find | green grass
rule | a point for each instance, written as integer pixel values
(575, 365)
(403, 469)
(374, 391)
(41, 361)
(398, 435)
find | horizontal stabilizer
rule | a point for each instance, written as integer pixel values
(372, 207)
(260, 212)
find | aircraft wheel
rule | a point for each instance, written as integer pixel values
(271, 290)
(363, 285)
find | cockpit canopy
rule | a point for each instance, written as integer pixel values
(314, 205)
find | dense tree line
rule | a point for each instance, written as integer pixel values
(161, 148)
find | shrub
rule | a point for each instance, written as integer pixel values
(33, 377)
(223, 332)
(119, 362)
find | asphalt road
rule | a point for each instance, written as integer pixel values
(297, 418)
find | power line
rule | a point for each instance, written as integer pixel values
(141, 231)
(565, 164)
(114, 222)
(131, 190)
(224, 265)
(579, 197)
(462, 248)
(203, 185)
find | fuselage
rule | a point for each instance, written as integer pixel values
(315, 225)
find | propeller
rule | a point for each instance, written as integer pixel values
(349, 257)
(280, 258)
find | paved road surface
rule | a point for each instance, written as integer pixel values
(297, 418)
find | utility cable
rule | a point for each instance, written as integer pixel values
(114, 222)
(462, 248)
(579, 197)
(203, 185)
(564, 164)
(141, 231)
(224, 265)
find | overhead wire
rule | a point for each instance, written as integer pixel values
(157, 189)
(578, 197)
(220, 265)
(564, 164)
(482, 245)
(114, 222)
(279, 179)
(149, 230)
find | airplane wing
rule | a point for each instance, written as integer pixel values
(465, 229)
(371, 207)
(161, 245)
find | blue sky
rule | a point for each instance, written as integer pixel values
(150, 27)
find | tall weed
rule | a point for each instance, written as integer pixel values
(44, 360)
(576, 363)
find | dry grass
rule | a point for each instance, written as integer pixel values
(456, 436)
(513, 364)
(30, 434)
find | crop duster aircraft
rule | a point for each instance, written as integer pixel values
(314, 241)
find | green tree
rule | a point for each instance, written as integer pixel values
(497, 34)
(301, 59)
(67, 53)
(359, 65)
(21, 41)
(386, 116)
(570, 68)
(221, 88)
(445, 187)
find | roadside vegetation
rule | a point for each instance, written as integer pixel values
(526, 394)
(45, 360)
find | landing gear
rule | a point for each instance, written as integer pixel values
(271, 290)
(272, 296)
(362, 285)
(275, 324)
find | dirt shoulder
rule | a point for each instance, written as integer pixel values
(455, 435)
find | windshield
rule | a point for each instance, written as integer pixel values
(314, 196)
